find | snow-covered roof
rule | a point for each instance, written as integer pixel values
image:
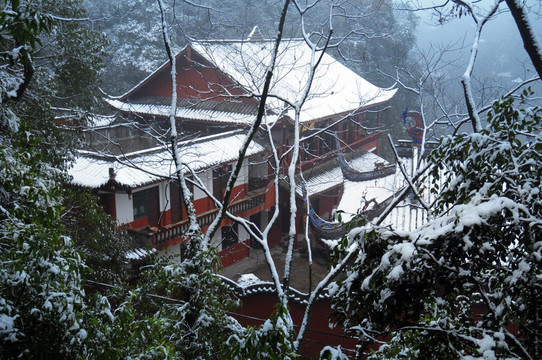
(335, 89)
(164, 65)
(358, 194)
(144, 167)
(163, 110)
(78, 117)
(355, 194)
(97, 121)
(139, 253)
(406, 216)
(334, 176)
(409, 214)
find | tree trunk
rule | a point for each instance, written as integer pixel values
(527, 34)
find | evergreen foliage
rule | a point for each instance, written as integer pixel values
(43, 309)
(41, 297)
(179, 308)
(466, 284)
(94, 235)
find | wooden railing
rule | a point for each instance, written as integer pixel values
(170, 232)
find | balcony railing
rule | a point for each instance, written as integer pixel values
(170, 232)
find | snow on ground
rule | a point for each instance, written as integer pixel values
(246, 280)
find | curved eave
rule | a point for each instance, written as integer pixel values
(343, 114)
(354, 110)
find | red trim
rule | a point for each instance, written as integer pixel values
(235, 253)
(269, 202)
(172, 242)
(190, 83)
(139, 223)
(109, 202)
(145, 81)
(260, 306)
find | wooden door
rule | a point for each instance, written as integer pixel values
(153, 206)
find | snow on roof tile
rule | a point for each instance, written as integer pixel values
(229, 105)
(184, 112)
(335, 89)
(139, 253)
(96, 121)
(406, 216)
(143, 167)
(334, 177)
(255, 35)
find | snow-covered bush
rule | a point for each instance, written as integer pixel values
(42, 301)
(469, 282)
(198, 322)
(40, 272)
(41, 296)
(272, 340)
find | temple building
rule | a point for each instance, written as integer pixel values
(128, 165)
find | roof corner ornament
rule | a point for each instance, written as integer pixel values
(414, 124)
(255, 35)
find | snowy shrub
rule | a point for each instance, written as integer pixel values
(41, 295)
(272, 340)
(42, 301)
(469, 282)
